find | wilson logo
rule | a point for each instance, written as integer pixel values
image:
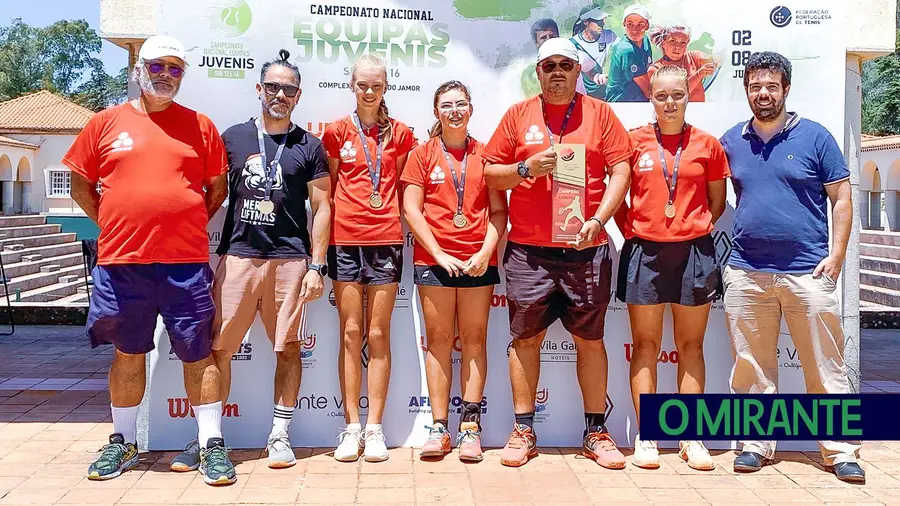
(181, 408)
(665, 357)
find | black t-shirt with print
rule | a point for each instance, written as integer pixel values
(249, 233)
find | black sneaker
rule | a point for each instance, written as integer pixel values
(115, 457)
(215, 466)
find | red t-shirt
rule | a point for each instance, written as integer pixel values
(354, 222)
(522, 133)
(153, 169)
(702, 160)
(427, 167)
(691, 62)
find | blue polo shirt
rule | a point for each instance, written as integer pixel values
(628, 61)
(781, 219)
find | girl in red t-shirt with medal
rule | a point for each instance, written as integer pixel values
(366, 154)
(677, 192)
(457, 222)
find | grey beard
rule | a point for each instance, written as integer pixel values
(267, 108)
(149, 88)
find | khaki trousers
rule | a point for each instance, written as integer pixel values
(754, 304)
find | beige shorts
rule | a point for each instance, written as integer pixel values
(243, 285)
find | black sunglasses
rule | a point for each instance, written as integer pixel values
(289, 89)
(550, 66)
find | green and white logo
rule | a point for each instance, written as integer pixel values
(230, 18)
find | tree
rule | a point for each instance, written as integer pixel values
(881, 92)
(60, 58)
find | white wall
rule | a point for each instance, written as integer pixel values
(870, 31)
(52, 149)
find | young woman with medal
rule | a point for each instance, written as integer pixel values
(678, 188)
(366, 151)
(457, 222)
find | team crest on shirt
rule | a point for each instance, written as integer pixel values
(633, 68)
(437, 175)
(255, 178)
(534, 135)
(348, 152)
(123, 142)
(645, 163)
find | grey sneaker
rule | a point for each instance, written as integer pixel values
(279, 449)
(215, 466)
(188, 459)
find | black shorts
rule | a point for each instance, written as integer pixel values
(547, 284)
(435, 275)
(366, 265)
(684, 273)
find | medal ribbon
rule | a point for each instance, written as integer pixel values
(374, 173)
(459, 184)
(565, 122)
(269, 170)
(662, 157)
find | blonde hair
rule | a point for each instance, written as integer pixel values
(670, 71)
(383, 120)
(659, 34)
(437, 129)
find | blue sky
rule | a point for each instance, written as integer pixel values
(46, 12)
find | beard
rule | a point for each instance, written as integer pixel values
(269, 108)
(769, 112)
(160, 88)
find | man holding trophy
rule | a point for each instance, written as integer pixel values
(554, 152)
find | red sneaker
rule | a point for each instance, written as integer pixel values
(469, 442)
(600, 447)
(521, 447)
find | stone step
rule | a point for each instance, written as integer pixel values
(32, 258)
(880, 251)
(24, 268)
(39, 279)
(879, 279)
(13, 257)
(883, 296)
(879, 264)
(21, 221)
(13, 247)
(78, 298)
(40, 240)
(30, 230)
(879, 237)
(50, 293)
(50, 268)
(68, 278)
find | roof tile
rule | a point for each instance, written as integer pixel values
(43, 111)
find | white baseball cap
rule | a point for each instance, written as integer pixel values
(596, 13)
(557, 46)
(159, 46)
(638, 9)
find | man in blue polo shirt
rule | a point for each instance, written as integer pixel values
(785, 170)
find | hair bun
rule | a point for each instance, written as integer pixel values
(284, 54)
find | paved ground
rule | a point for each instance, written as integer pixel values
(54, 415)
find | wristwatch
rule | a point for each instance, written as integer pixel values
(321, 269)
(523, 170)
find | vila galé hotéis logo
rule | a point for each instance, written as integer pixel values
(553, 350)
(422, 404)
(181, 408)
(332, 405)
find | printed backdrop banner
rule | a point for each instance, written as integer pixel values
(489, 45)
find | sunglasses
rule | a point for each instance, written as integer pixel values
(289, 89)
(565, 66)
(157, 67)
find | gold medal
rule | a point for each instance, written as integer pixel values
(670, 210)
(266, 207)
(375, 200)
(460, 221)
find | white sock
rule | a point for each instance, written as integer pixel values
(354, 427)
(209, 421)
(282, 418)
(125, 422)
(373, 427)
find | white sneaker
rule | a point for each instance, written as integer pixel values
(696, 455)
(350, 447)
(646, 454)
(376, 450)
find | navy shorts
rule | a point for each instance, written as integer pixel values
(435, 275)
(684, 273)
(366, 265)
(126, 300)
(547, 284)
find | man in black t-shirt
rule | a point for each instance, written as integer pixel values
(269, 262)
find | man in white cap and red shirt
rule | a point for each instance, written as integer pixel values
(549, 279)
(630, 59)
(163, 172)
